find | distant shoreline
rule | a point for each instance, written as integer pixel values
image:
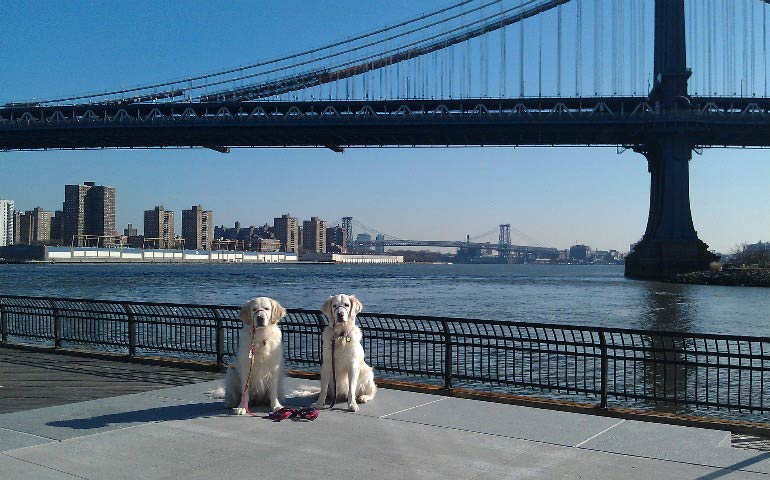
(729, 277)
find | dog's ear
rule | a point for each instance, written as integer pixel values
(278, 312)
(327, 307)
(355, 305)
(246, 313)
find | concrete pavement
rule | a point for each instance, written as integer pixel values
(184, 433)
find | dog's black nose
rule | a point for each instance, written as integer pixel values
(340, 316)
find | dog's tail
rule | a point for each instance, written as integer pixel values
(303, 391)
(218, 392)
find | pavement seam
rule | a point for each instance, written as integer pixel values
(600, 433)
(30, 434)
(45, 466)
(543, 442)
(412, 408)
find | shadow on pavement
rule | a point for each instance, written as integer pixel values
(157, 414)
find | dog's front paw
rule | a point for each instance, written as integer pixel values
(239, 411)
(276, 406)
(353, 406)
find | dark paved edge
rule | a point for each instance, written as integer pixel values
(32, 379)
(202, 371)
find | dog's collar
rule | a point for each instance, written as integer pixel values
(345, 336)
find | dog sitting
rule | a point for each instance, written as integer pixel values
(260, 330)
(354, 378)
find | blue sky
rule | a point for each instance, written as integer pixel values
(558, 196)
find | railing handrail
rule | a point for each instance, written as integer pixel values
(673, 368)
(437, 319)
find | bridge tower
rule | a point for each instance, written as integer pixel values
(347, 227)
(670, 243)
(504, 243)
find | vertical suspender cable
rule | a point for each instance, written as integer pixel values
(578, 47)
(521, 57)
(469, 64)
(764, 44)
(709, 43)
(744, 81)
(451, 69)
(615, 47)
(503, 70)
(597, 22)
(704, 48)
(398, 80)
(689, 33)
(725, 59)
(443, 67)
(622, 45)
(540, 59)
(558, 50)
(484, 45)
(753, 51)
(642, 46)
(633, 38)
(731, 43)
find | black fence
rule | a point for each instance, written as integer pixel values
(669, 370)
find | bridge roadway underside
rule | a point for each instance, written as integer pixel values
(546, 122)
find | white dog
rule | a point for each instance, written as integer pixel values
(354, 378)
(260, 339)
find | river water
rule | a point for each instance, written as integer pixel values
(565, 294)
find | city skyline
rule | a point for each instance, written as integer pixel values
(557, 196)
(159, 225)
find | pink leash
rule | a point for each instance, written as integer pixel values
(252, 354)
(309, 413)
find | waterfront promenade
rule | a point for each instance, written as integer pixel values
(182, 432)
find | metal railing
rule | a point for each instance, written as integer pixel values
(670, 370)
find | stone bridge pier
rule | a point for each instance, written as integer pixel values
(670, 244)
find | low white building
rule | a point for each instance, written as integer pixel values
(87, 254)
(358, 259)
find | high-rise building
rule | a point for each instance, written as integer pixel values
(17, 234)
(6, 222)
(56, 223)
(33, 227)
(379, 249)
(89, 209)
(579, 252)
(314, 236)
(286, 230)
(336, 240)
(159, 224)
(24, 224)
(130, 231)
(197, 228)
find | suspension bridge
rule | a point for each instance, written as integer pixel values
(660, 77)
(469, 250)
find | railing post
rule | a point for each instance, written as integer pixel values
(3, 322)
(56, 325)
(604, 368)
(220, 337)
(447, 356)
(131, 329)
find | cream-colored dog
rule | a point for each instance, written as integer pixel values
(354, 378)
(260, 339)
